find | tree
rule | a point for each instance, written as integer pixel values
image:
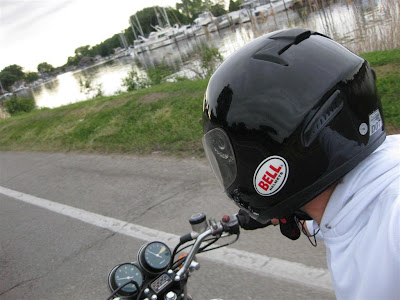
(234, 5)
(31, 76)
(104, 50)
(83, 51)
(15, 70)
(45, 67)
(191, 8)
(7, 79)
(218, 10)
(11, 74)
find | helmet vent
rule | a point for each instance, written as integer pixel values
(267, 56)
(281, 42)
(293, 36)
(322, 118)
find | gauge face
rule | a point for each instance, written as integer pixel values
(157, 256)
(124, 273)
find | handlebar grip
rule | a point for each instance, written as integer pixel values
(186, 238)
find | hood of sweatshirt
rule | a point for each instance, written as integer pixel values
(356, 196)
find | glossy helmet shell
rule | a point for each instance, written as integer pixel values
(298, 100)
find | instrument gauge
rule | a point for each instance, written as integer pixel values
(154, 257)
(123, 274)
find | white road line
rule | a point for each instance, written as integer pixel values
(255, 263)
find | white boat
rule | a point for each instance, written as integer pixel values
(240, 16)
(220, 22)
(273, 7)
(187, 31)
(252, 4)
(281, 5)
(204, 19)
(140, 45)
(161, 37)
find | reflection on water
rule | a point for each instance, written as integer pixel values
(360, 25)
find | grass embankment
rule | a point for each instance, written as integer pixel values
(387, 67)
(165, 118)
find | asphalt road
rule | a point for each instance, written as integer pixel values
(50, 254)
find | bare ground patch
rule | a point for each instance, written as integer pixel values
(153, 97)
(112, 103)
(391, 129)
(383, 71)
(3, 113)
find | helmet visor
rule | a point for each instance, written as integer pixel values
(220, 154)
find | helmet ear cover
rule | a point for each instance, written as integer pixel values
(289, 228)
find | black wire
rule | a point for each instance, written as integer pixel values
(178, 262)
(141, 291)
(174, 253)
(224, 245)
(301, 225)
(187, 246)
(201, 249)
(204, 248)
(122, 286)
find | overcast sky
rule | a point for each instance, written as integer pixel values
(36, 31)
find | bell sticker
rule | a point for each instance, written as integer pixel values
(375, 122)
(271, 175)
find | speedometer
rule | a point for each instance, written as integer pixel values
(154, 257)
(121, 275)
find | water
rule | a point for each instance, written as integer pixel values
(361, 25)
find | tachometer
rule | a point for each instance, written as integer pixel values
(123, 274)
(154, 257)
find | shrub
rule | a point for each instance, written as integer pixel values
(17, 105)
(134, 82)
(158, 74)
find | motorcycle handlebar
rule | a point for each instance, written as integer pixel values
(228, 224)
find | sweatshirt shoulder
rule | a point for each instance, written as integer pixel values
(393, 193)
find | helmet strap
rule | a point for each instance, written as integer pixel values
(311, 238)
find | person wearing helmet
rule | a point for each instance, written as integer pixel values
(294, 131)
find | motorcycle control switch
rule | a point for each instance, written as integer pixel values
(230, 224)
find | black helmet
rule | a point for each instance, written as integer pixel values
(285, 117)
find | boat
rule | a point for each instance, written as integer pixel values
(140, 44)
(272, 7)
(240, 16)
(204, 19)
(187, 31)
(220, 22)
(161, 37)
(252, 4)
(281, 5)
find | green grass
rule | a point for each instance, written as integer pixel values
(380, 58)
(165, 118)
(387, 67)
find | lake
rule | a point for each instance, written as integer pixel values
(360, 25)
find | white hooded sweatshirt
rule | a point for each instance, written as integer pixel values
(361, 227)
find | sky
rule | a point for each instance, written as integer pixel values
(36, 31)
